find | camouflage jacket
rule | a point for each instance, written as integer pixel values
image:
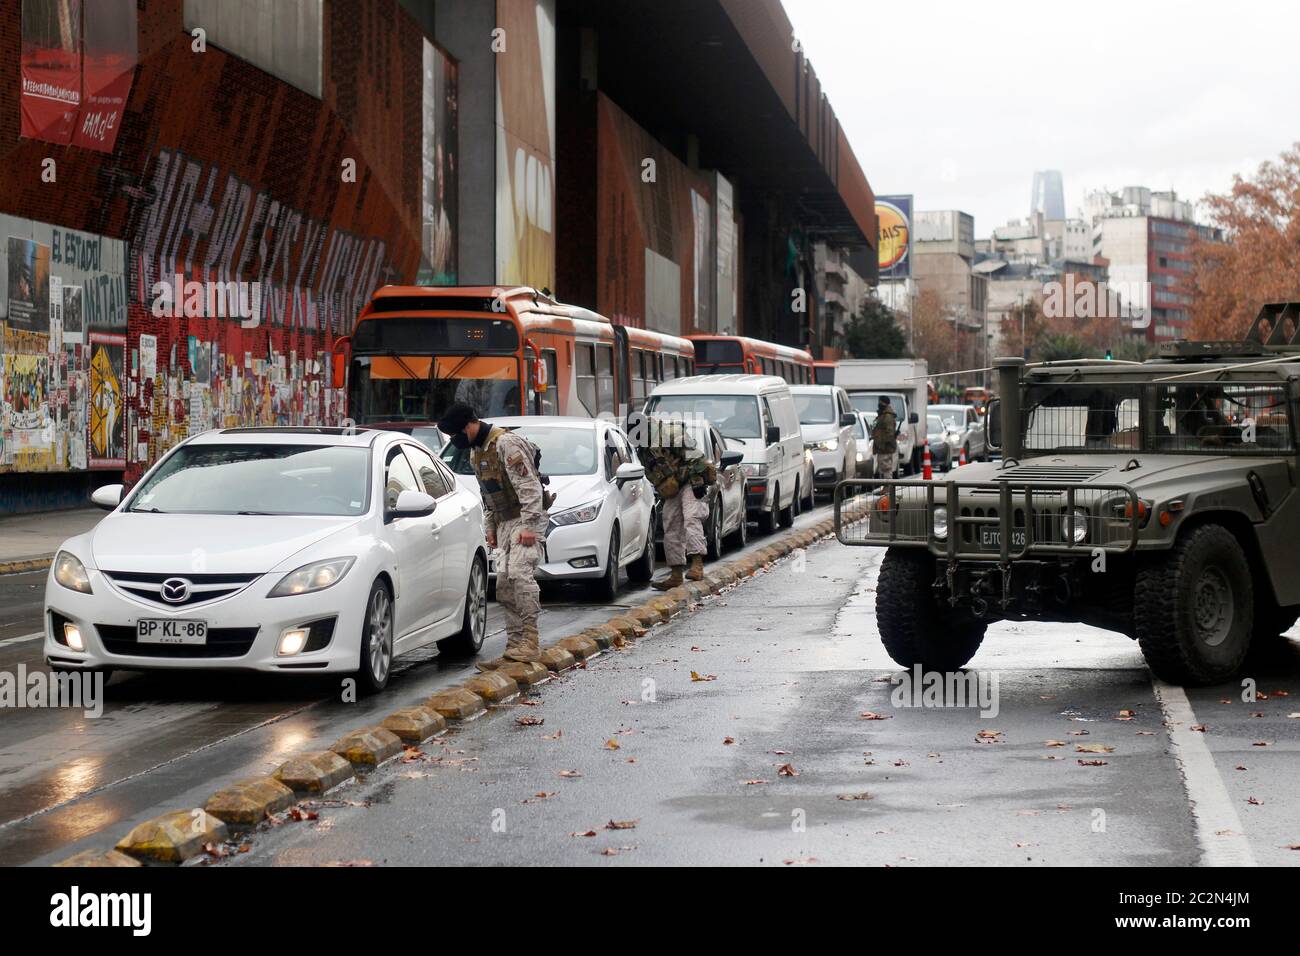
(884, 433)
(509, 481)
(673, 461)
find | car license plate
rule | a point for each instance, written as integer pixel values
(153, 631)
(989, 538)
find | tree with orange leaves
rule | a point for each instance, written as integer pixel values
(1259, 259)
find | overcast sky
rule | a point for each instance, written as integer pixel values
(958, 103)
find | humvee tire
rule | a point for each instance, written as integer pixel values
(913, 626)
(1194, 608)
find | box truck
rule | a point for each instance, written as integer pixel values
(906, 383)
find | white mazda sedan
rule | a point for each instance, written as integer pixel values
(285, 550)
(602, 521)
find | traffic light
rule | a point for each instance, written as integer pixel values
(1109, 356)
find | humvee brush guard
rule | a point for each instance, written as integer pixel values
(1157, 499)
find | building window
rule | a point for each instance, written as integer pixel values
(283, 38)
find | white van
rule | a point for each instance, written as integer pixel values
(756, 416)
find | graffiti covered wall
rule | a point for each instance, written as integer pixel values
(117, 342)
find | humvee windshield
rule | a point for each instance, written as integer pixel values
(1242, 418)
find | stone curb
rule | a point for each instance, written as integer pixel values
(22, 567)
(173, 837)
(248, 802)
(368, 747)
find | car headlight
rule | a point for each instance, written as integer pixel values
(754, 470)
(829, 444)
(71, 573)
(939, 522)
(859, 456)
(578, 515)
(316, 576)
(1074, 526)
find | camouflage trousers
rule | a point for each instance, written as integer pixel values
(886, 464)
(684, 517)
(517, 590)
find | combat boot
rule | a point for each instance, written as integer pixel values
(673, 580)
(696, 573)
(525, 649)
(491, 665)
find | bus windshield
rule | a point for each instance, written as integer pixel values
(419, 388)
(718, 355)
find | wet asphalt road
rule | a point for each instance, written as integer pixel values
(797, 663)
(167, 740)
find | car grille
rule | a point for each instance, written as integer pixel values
(203, 587)
(222, 642)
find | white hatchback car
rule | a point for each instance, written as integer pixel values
(604, 505)
(286, 550)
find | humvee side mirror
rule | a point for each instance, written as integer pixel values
(993, 423)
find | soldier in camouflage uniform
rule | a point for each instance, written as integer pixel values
(681, 475)
(884, 439)
(515, 515)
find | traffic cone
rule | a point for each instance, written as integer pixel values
(927, 465)
(962, 460)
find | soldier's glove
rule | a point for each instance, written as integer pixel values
(700, 491)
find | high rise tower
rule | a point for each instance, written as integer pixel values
(1049, 195)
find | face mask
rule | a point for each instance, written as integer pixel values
(460, 440)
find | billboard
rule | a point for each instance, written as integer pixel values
(895, 216)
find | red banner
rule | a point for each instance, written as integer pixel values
(108, 66)
(51, 92)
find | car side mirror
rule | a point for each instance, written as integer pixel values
(107, 496)
(913, 418)
(412, 504)
(628, 471)
(993, 424)
(848, 418)
(772, 435)
(730, 458)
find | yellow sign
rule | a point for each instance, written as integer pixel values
(894, 230)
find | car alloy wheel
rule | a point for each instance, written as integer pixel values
(478, 600)
(379, 631)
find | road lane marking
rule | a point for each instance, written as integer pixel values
(1218, 828)
(19, 640)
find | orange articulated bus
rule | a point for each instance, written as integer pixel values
(416, 349)
(735, 354)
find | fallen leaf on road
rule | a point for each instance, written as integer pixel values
(555, 736)
(584, 833)
(611, 744)
(872, 715)
(616, 850)
(804, 862)
(298, 813)
(1292, 846)
(337, 863)
(753, 783)
(621, 824)
(1093, 749)
(900, 762)
(728, 740)
(781, 753)
(988, 736)
(1054, 743)
(1239, 767)
(1092, 763)
(1144, 733)
(1294, 716)
(1262, 743)
(570, 774)
(217, 850)
(786, 770)
(1254, 802)
(702, 677)
(530, 721)
(854, 796)
(1080, 733)
(540, 795)
(1258, 713)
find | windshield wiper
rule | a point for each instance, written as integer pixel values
(433, 368)
(148, 511)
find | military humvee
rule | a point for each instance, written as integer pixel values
(1157, 499)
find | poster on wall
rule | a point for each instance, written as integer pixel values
(29, 284)
(73, 314)
(107, 439)
(50, 69)
(895, 216)
(438, 181)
